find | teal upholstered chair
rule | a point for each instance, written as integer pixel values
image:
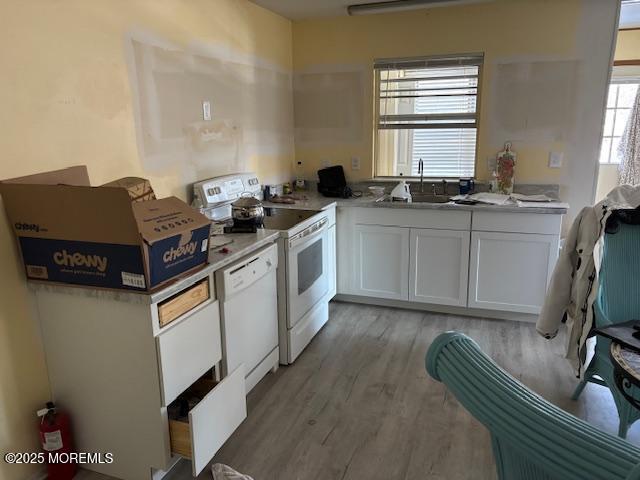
(531, 438)
(618, 301)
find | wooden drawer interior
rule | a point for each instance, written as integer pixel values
(178, 412)
(215, 410)
(181, 303)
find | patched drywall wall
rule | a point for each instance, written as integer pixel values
(67, 99)
(532, 101)
(250, 102)
(543, 82)
(328, 106)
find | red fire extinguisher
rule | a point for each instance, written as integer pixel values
(57, 443)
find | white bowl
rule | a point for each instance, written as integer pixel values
(376, 190)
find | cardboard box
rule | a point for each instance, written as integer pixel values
(69, 232)
(139, 188)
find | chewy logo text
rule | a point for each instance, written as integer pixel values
(34, 227)
(175, 253)
(80, 260)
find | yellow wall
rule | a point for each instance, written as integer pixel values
(500, 29)
(627, 48)
(628, 45)
(66, 100)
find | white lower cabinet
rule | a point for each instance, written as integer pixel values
(491, 261)
(438, 266)
(510, 271)
(123, 370)
(381, 262)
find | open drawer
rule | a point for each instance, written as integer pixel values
(217, 410)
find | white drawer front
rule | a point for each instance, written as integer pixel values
(517, 222)
(413, 217)
(188, 349)
(216, 417)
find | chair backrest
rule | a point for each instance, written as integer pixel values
(531, 438)
(619, 277)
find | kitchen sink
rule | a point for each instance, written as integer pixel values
(420, 198)
(429, 198)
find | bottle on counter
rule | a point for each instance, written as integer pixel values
(300, 183)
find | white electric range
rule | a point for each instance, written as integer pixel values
(305, 259)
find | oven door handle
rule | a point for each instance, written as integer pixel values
(309, 233)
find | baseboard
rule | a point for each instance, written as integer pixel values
(427, 307)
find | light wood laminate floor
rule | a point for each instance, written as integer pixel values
(358, 403)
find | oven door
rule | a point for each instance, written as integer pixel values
(308, 269)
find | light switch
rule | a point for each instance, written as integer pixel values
(355, 163)
(555, 159)
(206, 110)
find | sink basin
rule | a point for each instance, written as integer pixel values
(420, 198)
(429, 198)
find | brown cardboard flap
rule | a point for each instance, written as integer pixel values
(91, 214)
(77, 175)
(158, 219)
(139, 189)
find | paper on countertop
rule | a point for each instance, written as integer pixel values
(490, 198)
(536, 204)
(531, 198)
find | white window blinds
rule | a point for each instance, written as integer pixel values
(428, 110)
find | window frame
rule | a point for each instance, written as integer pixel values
(376, 116)
(615, 81)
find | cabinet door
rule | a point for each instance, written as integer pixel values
(381, 262)
(510, 271)
(439, 266)
(332, 262)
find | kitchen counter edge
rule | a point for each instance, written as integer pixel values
(317, 202)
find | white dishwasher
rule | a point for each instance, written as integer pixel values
(248, 296)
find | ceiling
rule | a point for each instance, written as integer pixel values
(301, 9)
(630, 14)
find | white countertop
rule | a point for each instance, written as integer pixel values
(311, 200)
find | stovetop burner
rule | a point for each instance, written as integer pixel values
(285, 218)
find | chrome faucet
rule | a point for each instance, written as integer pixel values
(444, 187)
(421, 172)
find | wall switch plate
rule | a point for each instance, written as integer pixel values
(355, 163)
(206, 110)
(555, 159)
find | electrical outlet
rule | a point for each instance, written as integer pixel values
(355, 163)
(555, 159)
(206, 110)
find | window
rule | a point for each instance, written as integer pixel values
(622, 93)
(427, 110)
